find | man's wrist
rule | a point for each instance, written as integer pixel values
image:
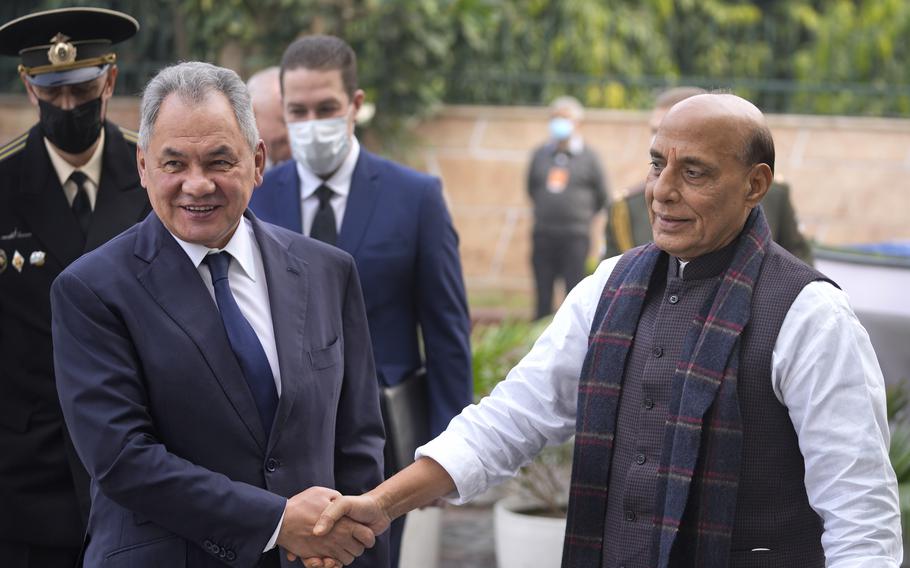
(382, 499)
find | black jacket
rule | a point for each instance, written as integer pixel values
(39, 474)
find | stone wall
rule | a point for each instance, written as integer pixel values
(850, 176)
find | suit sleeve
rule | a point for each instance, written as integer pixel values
(102, 394)
(359, 435)
(442, 311)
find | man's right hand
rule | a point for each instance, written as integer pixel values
(364, 509)
(417, 485)
(339, 544)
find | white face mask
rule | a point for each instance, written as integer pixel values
(320, 145)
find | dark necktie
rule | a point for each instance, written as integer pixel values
(82, 207)
(323, 228)
(244, 341)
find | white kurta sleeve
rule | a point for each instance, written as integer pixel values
(825, 371)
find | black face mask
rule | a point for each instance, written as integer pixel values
(73, 130)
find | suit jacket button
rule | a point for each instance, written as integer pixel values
(208, 545)
(271, 465)
(222, 552)
(230, 556)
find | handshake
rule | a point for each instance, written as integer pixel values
(328, 530)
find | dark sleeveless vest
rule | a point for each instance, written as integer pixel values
(774, 524)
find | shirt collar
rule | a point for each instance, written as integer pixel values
(708, 265)
(240, 247)
(340, 182)
(64, 169)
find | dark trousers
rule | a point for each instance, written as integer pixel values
(557, 256)
(25, 555)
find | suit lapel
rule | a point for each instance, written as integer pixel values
(42, 203)
(361, 203)
(175, 284)
(288, 286)
(121, 200)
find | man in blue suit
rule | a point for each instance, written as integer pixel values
(392, 219)
(213, 369)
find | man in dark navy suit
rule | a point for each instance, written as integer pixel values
(67, 185)
(213, 369)
(392, 219)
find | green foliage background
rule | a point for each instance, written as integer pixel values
(806, 56)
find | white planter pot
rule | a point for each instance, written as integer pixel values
(526, 541)
(420, 540)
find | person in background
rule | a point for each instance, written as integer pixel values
(392, 219)
(567, 187)
(66, 186)
(265, 90)
(627, 217)
(727, 405)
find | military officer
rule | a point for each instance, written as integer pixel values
(66, 186)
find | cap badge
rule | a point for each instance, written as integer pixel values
(37, 258)
(61, 51)
(3, 262)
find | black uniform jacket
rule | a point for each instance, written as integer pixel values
(39, 237)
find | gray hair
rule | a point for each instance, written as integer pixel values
(193, 81)
(570, 104)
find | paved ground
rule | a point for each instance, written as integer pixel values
(467, 538)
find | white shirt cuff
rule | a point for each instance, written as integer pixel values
(460, 461)
(274, 539)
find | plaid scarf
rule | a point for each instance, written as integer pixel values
(702, 443)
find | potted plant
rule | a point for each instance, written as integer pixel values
(530, 520)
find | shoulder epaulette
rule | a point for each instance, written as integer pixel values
(130, 135)
(13, 146)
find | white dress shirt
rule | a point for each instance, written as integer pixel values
(246, 277)
(92, 170)
(340, 183)
(823, 370)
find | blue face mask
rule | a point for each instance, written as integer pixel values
(561, 128)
